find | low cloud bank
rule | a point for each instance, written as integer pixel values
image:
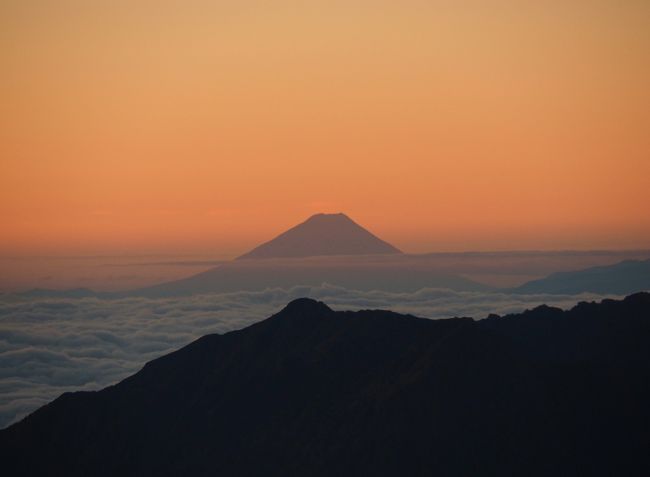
(50, 346)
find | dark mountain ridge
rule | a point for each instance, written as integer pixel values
(311, 391)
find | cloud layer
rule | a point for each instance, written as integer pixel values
(50, 346)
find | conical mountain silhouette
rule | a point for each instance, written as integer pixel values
(326, 248)
(323, 234)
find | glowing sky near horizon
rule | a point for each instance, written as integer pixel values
(209, 127)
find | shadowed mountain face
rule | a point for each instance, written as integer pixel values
(626, 277)
(311, 391)
(322, 234)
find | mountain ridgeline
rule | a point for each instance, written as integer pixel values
(311, 391)
(621, 278)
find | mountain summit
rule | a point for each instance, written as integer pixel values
(322, 234)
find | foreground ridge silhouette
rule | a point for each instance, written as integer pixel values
(312, 391)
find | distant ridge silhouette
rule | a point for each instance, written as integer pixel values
(320, 235)
(628, 276)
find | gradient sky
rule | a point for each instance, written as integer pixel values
(210, 126)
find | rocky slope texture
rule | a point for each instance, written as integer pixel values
(315, 392)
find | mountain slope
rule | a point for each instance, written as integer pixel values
(311, 391)
(322, 234)
(628, 276)
(358, 273)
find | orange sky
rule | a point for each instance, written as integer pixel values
(209, 126)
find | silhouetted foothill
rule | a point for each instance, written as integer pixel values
(312, 391)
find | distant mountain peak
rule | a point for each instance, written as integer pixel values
(330, 218)
(325, 215)
(321, 235)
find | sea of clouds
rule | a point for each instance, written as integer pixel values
(50, 346)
